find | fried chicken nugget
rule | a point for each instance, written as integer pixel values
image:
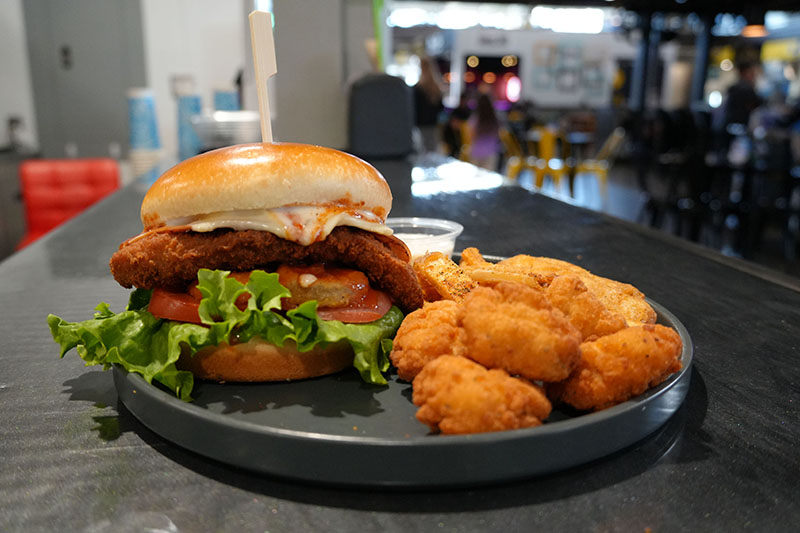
(618, 297)
(426, 334)
(619, 366)
(456, 395)
(585, 311)
(514, 327)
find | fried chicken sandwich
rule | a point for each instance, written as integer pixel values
(257, 262)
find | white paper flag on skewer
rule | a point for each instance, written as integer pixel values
(264, 63)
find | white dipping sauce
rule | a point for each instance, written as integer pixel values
(421, 243)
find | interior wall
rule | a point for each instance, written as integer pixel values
(200, 38)
(207, 39)
(358, 28)
(84, 56)
(15, 81)
(318, 56)
(309, 87)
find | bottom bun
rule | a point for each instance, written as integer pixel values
(257, 360)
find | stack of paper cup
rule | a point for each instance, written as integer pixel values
(226, 99)
(188, 142)
(145, 153)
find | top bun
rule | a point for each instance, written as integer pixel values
(264, 176)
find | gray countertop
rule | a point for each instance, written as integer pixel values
(73, 458)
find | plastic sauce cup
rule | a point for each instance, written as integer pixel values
(423, 235)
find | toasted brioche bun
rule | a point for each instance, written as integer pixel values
(264, 176)
(258, 360)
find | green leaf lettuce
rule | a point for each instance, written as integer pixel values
(150, 346)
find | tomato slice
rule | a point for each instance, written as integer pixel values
(184, 306)
(374, 305)
(178, 306)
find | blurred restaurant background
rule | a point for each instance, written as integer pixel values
(680, 115)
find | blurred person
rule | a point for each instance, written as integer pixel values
(428, 104)
(742, 98)
(484, 129)
(452, 131)
(740, 102)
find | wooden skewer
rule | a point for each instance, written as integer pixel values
(264, 63)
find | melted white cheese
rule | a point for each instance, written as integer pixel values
(301, 224)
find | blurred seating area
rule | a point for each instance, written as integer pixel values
(733, 187)
(682, 116)
(527, 148)
(730, 186)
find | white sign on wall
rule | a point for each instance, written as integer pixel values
(556, 69)
(569, 71)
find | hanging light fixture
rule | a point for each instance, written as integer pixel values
(755, 23)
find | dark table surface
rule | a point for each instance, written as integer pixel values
(72, 458)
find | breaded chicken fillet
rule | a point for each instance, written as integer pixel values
(171, 259)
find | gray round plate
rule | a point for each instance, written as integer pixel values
(338, 430)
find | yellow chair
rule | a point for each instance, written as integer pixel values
(602, 161)
(515, 159)
(547, 160)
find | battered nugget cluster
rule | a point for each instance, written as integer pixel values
(457, 395)
(527, 332)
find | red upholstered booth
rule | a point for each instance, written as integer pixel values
(55, 190)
